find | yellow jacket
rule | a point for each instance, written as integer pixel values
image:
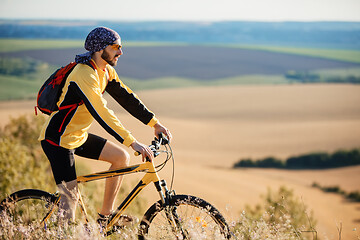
(84, 89)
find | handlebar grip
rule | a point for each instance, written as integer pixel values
(163, 139)
(138, 154)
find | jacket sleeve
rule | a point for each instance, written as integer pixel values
(89, 91)
(130, 101)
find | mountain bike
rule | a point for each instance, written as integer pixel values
(174, 216)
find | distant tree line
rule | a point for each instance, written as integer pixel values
(342, 35)
(340, 158)
(307, 77)
(21, 66)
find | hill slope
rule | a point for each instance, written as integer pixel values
(214, 127)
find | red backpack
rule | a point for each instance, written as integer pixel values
(51, 90)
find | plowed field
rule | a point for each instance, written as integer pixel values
(214, 127)
(194, 62)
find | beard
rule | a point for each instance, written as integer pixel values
(111, 61)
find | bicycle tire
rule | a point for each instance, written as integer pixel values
(197, 218)
(26, 209)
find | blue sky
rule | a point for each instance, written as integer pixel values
(184, 10)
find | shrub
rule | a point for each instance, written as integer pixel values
(245, 163)
(24, 129)
(313, 160)
(340, 158)
(304, 77)
(281, 216)
(347, 158)
(308, 77)
(21, 66)
(22, 163)
(353, 196)
(270, 162)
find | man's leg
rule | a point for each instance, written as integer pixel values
(118, 158)
(63, 167)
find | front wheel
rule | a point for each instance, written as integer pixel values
(185, 217)
(27, 211)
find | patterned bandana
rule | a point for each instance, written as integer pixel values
(98, 39)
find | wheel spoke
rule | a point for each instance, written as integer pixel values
(187, 218)
(23, 212)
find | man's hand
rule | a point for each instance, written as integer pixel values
(143, 149)
(159, 128)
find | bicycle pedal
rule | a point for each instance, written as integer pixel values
(124, 221)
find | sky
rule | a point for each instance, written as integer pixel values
(183, 10)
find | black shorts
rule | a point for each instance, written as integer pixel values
(62, 160)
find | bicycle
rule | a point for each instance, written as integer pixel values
(172, 217)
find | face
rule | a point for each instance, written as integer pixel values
(112, 53)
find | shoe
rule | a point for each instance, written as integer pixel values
(124, 221)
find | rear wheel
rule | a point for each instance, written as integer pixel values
(186, 217)
(27, 211)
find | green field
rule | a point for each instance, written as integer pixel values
(13, 45)
(20, 87)
(173, 82)
(334, 54)
(13, 88)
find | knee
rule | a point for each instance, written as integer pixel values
(126, 158)
(121, 159)
(115, 155)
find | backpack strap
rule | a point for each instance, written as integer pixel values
(75, 105)
(72, 108)
(60, 75)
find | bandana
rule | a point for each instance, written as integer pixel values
(98, 39)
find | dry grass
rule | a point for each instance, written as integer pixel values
(245, 228)
(216, 126)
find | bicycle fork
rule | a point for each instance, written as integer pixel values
(162, 188)
(170, 211)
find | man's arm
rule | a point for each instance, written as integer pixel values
(130, 102)
(87, 88)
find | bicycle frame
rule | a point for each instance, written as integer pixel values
(166, 207)
(150, 176)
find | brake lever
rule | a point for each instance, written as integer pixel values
(153, 148)
(163, 139)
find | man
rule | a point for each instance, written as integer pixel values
(65, 132)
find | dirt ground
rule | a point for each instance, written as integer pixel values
(215, 127)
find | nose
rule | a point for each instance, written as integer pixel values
(120, 51)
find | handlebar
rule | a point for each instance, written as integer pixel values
(155, 145)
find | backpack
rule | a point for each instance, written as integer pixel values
(50, 91)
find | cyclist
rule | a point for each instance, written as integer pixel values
(65, 132)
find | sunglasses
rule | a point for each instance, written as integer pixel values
(116, 46)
